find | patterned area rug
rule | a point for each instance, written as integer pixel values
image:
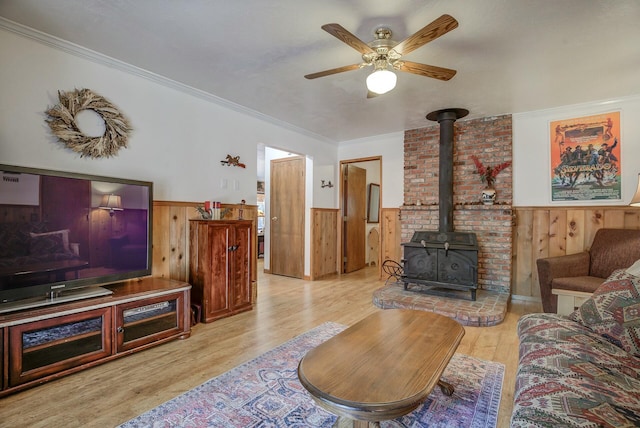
(265, 392)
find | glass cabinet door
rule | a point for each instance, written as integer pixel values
(150, 320)
(43, 347)
(2, 379)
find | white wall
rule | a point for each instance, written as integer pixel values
(391, 148)
(531, 157)
(531, 150)
(179, 136)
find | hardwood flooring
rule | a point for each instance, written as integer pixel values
(110, 394)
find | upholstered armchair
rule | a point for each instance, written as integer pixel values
(611, 249)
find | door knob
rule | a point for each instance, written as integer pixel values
(274, 218)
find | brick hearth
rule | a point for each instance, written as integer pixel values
(490, 139)
(488, 309)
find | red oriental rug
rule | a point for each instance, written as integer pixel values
(265, 392)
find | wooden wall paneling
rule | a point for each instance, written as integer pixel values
(540, 243)
(557, 232)
(575, 231)
(523, 252)
(390, 233)
(632, 218)
(324, 242)
(594, 221)
(161, 261)
(614, 219)
(99, 234)
(179, 237)
(19, 213)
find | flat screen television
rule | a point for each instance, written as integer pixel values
(63, 234)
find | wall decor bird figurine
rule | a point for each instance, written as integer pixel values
(233, 161)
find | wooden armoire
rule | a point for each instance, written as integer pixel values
(220, 258)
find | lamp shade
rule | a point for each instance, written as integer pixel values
(381, 81)
(111, 203)
(635, 201)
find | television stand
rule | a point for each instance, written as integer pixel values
(54, 298)
(46, 343)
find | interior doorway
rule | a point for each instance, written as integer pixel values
(354, 217)
(286, 218)
(352, 242)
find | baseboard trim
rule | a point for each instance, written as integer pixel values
(526, 298)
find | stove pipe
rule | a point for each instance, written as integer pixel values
(446, 118)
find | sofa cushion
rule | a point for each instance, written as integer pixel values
(613, 311)
(613, 249)
(569, 376)
(46, 244)
(14, 238)
(64, 235)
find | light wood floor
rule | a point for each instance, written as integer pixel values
(112, 393)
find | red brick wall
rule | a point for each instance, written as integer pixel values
(490, 140)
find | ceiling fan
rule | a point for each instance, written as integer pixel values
(385, 55)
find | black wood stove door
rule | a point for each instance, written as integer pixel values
(421, 263)
(458, 267)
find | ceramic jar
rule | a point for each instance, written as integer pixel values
(488, 196)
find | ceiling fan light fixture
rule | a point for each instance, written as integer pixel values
(381, 81)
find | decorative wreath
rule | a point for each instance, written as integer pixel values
(62, 121)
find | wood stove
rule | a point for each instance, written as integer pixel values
(441, 261)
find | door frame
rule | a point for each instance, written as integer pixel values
(341, 211)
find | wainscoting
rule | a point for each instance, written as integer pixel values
(554, 231)
(537, 232)
(171, 237)
(325, 240)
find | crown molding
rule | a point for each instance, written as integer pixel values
(98, 58)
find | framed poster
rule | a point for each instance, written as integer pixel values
(585, 158)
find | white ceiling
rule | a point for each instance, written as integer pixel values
(511, 55)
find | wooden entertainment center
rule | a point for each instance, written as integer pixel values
(42, 344)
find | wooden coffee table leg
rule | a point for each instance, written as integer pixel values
(446, 388)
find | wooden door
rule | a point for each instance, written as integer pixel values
(209, 267)
(241, 272)
(218, 242)
(355, 218)
(287, 216)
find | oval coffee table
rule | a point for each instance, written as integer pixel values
(382, 367)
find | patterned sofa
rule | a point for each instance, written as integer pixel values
(583, 370)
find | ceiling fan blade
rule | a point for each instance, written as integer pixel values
(332, 71)
(344, 35)
(432, 31)
(427, 70)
